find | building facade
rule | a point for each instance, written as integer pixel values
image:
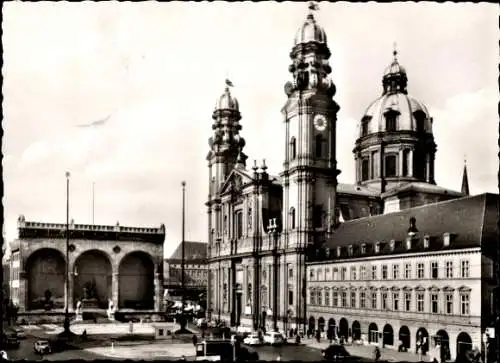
(382, 281)
(195, 270)
(261, 226)
(106, 263)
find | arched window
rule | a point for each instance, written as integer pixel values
(390, 165)
(319, 146)
(293, 148)
(292, 218)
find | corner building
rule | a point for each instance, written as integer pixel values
(267, 231)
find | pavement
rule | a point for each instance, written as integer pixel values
(367, 351)
(112, 341)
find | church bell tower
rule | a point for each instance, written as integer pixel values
(310, 167)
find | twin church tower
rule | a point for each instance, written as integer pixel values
(260, 224)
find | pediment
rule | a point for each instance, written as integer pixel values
(235, 181)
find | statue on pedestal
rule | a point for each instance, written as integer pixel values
(78, 311)
(111, 310)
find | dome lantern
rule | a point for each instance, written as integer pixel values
(226, 101)
(395, 79)
(310, 31)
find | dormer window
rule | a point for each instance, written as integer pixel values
(392, 244)
(419, 121)
(364, 125)
(363, 248)
(327, 252)
(446, 239)
(408, 243)
(426, 241)
(351, 250)
(339, 251)
(377, 247)
(390, 121)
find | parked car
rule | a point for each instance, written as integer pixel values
(252, 339)
(274, 338)
(42, 347)
(337, 353)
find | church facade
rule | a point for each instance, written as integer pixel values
(262, 225)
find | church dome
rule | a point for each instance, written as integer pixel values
(408, 113)
(411, 115)
(227, 102)
(310, 31)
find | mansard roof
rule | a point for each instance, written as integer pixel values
(193, 251)
(470, 221)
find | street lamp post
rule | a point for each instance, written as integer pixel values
(67, 331)
(273, 232)
(183, 287)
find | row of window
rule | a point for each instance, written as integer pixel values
(391, 122)
(447, 270)
(370, 300)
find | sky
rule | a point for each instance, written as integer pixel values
(152, 72)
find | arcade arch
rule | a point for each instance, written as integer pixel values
(46, 269)
(136, 281)
(92, 279)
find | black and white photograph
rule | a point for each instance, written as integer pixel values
(244, 181)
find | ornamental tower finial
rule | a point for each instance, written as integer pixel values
(395, 52)
(313, 6)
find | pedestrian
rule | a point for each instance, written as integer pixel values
(195, 340)
(278, 358)
(377, 354)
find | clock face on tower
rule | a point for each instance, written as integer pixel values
(320, 122)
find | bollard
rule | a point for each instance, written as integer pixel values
(112, 346)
